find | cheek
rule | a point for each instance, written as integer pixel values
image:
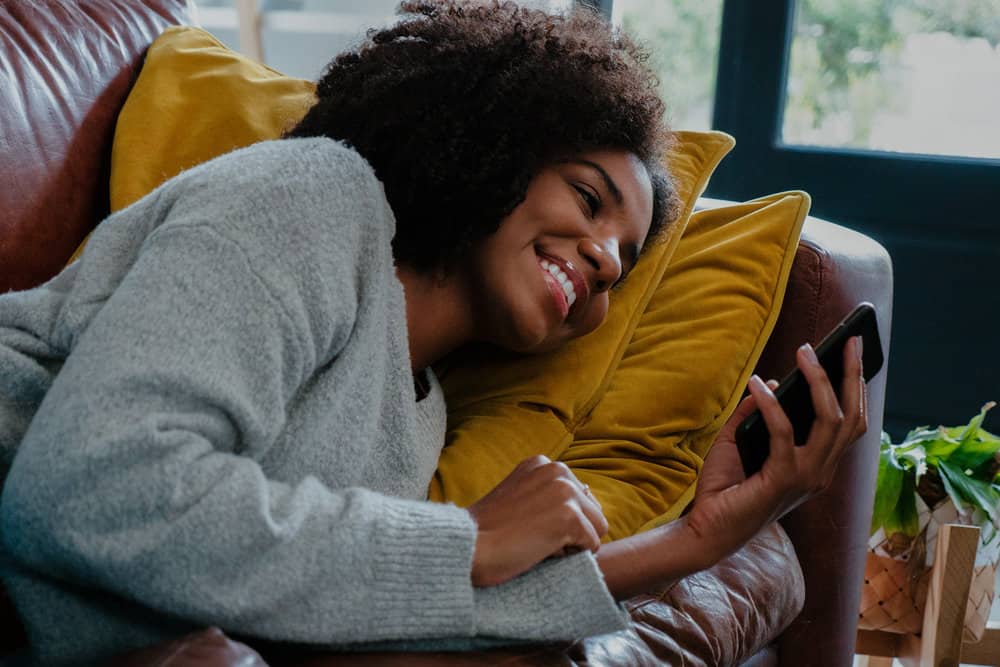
(597, 311)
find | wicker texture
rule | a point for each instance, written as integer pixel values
(898, 574)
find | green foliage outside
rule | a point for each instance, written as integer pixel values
(683, 37)
(843, 58)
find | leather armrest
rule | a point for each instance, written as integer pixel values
(835, 269)
(721, 616)
(208, 648)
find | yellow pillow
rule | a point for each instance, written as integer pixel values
(688, 361)
(641, 443)
(194, 100)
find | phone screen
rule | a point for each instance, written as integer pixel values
(752, 438)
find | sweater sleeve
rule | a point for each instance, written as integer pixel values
(131, 476)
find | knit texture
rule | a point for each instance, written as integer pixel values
(215, 422)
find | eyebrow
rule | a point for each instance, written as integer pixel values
(610, 184)
(632, 249)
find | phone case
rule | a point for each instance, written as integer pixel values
(752, 438)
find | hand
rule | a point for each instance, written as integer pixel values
(539, 510)
(728, 510)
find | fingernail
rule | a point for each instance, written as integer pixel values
(757, 382)
(810, 354)
(859, 347)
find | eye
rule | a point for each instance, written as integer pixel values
(593, 201)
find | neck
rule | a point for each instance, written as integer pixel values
(437, 319)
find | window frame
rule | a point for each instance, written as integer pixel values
(938, 216)
(869, 190)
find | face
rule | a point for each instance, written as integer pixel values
(543, 277)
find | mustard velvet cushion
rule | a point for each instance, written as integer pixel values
(632, 407)
(688, 361)
(637, 430)
(194, 100)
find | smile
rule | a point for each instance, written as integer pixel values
(561, 279)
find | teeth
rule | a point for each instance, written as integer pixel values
(562, 279)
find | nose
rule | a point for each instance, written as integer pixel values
(604, 257)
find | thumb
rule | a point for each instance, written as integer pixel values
(743, 410)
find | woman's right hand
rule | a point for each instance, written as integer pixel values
(540, 510)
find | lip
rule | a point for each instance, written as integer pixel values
(580, 285)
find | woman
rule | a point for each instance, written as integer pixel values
(232, 420)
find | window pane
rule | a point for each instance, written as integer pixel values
(299, 37)
(683, 37)
(917, 76)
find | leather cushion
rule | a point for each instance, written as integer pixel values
(208, 648)
(65, 69)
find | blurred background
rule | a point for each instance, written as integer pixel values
(886, 111)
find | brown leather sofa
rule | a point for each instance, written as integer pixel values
(66, 68)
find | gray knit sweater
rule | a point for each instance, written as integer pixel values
(215, 423)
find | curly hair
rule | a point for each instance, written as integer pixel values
(458, 105)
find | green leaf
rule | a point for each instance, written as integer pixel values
(913, 451)
(942, 446)
(888, 486)
(977, 422)
(968, 490)
(956, 496)
(977, 445)
(904, 518)
(919, 435)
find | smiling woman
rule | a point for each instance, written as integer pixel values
(239, 421)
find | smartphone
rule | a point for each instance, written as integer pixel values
(752, 438)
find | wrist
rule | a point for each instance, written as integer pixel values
(652, 561)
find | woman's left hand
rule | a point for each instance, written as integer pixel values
(729, 510)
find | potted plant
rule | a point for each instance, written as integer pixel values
(933, 477)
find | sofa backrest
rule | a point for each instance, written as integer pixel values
(65, 69)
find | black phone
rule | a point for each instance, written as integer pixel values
(752, 438)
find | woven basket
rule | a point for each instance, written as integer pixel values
(898, 573)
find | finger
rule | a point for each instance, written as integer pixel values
(532, 463)
(851, 389)
(829, 416)
(863, 424)
(592, 509)
(782, 437)
(557, 477)
(742, 411)
(585, 536)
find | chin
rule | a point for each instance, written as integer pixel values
(529, 338)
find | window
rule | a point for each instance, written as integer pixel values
(907, 76)
(299, 37)
(937, 214)
(683, 36)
